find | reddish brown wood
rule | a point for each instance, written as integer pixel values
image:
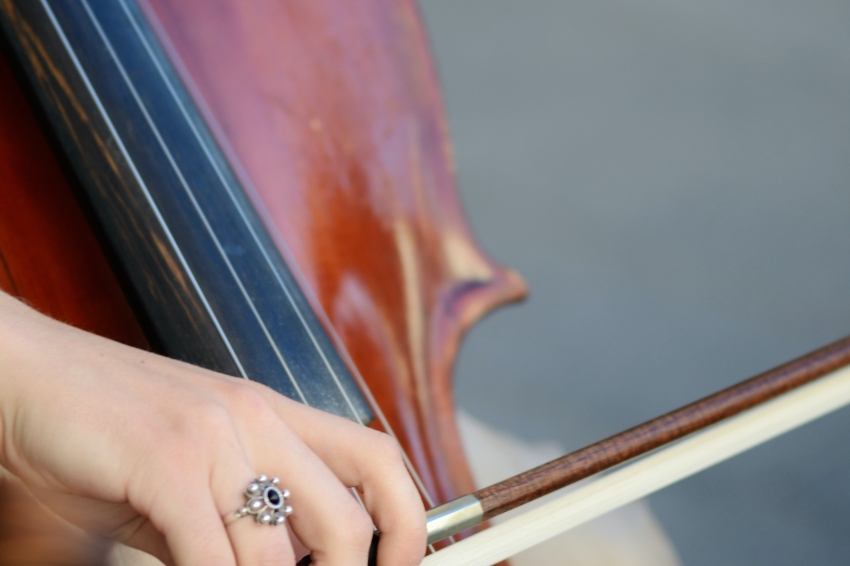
(331, 110)
(49, 258)
(48, 253)
(662, 430)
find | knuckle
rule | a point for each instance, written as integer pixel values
(211, 417)
(246, 399)
(386, 449)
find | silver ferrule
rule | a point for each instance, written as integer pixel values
(455, 516)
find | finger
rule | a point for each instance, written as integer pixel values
(297, 546)
(372, 461)
(178, 492)
(254, 544)
(260, 545)
(327, 518)
(193, 528)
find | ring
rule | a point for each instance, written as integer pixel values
(266, 501)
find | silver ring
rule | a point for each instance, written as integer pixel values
(266, 501)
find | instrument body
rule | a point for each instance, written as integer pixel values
(49, 254)
(335, 133)
(332, 138)
(51, 259)
(336, 128)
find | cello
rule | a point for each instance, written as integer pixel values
(202, 197)
(316, 125)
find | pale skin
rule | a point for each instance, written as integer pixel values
(153, 453)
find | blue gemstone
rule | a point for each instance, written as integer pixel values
(273, 497)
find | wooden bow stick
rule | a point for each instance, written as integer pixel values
(763, 407)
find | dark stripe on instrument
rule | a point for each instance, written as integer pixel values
(214, 285)
(261, 238)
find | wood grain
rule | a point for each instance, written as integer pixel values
(332, 112)
(49, 258)
(652, 473)
(662, 430)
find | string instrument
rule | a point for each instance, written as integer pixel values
(261, 188)
(266, 189)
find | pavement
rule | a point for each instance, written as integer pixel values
(673, 181)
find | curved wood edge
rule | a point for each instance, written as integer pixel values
(6, 282)
(464, 304)
(477, 286)
(331, 115)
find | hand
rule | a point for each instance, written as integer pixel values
(153, 453)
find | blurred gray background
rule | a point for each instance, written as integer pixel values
(673, 180)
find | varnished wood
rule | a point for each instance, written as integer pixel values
(49, 258)
(331, 111)
(368, 213)
(662, 430)
(214, 288)
(656, 471)
(65, 61)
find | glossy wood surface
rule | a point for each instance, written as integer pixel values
(347, 150)
(49, 257)
(330, 112)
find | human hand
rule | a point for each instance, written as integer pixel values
(153, 453)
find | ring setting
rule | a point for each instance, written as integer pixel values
(266, 501)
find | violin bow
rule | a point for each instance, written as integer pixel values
(717, 427)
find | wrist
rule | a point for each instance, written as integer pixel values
(16, 339)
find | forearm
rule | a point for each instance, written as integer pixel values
(112, 437)
(10, 322)
(25, 343)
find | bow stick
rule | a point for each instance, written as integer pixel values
(769, 415)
